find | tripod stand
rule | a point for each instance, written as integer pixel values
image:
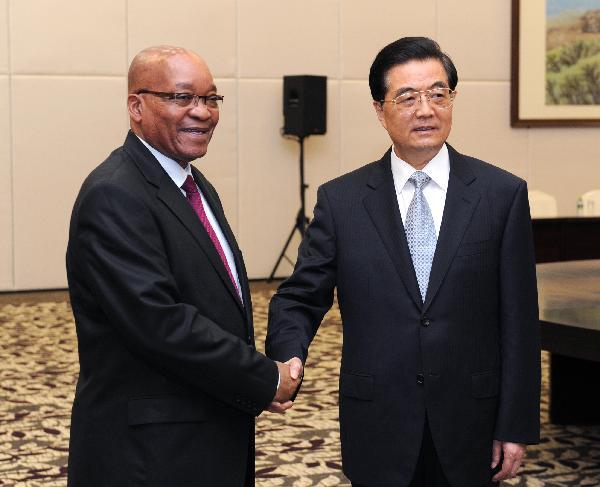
(301, 218)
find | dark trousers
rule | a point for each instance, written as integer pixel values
(429, 470)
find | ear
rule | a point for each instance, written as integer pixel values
(378, 106)
(135, 108)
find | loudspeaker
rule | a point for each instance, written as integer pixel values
(304, 105)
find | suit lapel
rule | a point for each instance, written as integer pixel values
(172, 197)
(215, 206)
(382, 206)
(461, 201)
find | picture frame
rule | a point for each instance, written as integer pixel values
(544, 92)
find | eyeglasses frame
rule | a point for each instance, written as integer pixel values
(420, 93)
(172, 97)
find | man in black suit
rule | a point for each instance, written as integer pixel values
(431, 254)
(170, 381)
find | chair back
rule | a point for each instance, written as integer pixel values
(591, 203)
(542, 205)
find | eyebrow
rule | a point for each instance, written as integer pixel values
(407, 89)
(189, 86)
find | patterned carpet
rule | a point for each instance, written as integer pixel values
(38, 357)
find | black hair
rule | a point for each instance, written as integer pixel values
(402, 51)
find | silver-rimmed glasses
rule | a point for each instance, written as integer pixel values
(437, 97)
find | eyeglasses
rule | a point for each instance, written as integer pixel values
(184, 100)
(437, 97)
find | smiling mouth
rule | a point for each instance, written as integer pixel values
(424, 129)
(195, 131)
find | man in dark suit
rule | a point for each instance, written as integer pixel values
(431, 254)
(170, 381)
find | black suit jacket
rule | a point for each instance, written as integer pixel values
(468, 358)
(169, 379)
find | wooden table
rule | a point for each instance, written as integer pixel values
(566, 238)
(569, 302)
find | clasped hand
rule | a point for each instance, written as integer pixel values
(290, 373)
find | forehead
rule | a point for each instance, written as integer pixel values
(183, 71)
(417, 74)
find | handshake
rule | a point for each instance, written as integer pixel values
(290, 374)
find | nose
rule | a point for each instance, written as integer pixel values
(200, 110)
(424, 108)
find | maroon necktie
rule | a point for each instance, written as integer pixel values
(194, 198)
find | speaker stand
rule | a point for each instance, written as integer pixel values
(301, 218)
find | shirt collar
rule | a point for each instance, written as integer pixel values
(438, 169)
(177, 173)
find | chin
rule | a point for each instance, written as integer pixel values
(431, 144)
(198, 155)
(190, 155)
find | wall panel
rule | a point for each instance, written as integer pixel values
(269, 172)
(367, 27)
(6, 217)
(476, 35)
(207, 27)
(68, 37)
(481, 126)
(56, 144)
(291, 37)
(363, 138)
(268, 176)
(4, 68)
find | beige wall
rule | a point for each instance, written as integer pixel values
(62, 107)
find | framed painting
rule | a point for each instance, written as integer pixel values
(555, 72)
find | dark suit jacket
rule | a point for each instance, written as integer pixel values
(468, 358)
(169, 379)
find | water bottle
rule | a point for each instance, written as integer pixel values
(579, 211)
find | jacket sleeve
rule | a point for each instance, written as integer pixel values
(300, 303)
(518, 418)
(120, 256)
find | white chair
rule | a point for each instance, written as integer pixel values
(591, 203)
(542, 205)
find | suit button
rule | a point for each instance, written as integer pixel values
(420, 379)
(249, 339)
(425, 322)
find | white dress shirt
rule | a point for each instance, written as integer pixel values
(438, 169)
(178, 174)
